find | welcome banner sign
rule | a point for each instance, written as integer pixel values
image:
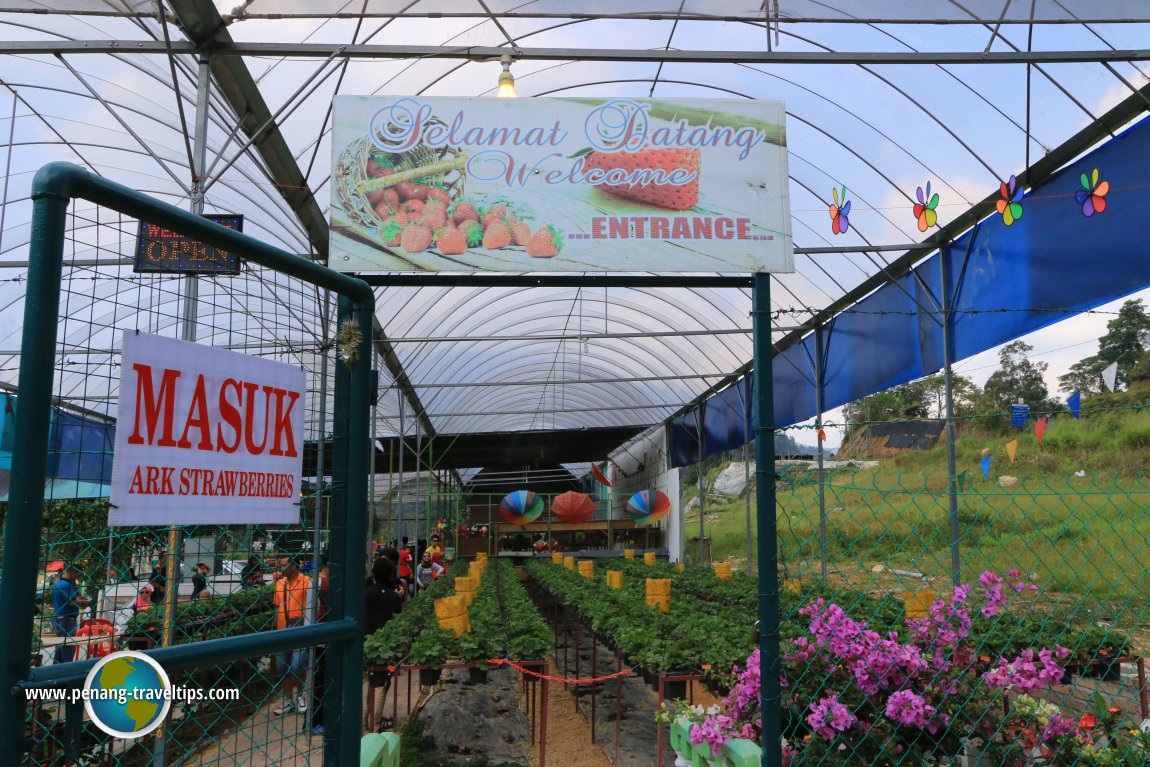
(515, 185)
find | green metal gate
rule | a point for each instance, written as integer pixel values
(226, 653)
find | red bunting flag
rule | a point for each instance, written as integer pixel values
(1040, 428)
(599, 476)
(822, 436)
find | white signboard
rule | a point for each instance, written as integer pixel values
(574, 185)
(205, 436)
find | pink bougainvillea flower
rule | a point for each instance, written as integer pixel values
(924, 209)
(1010, 205)
(1092, 195)
(839, 212)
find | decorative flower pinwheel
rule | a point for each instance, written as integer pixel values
(1092, 195)
(839, 221)
(1010, 206)
(924, 209)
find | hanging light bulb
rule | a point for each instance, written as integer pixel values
(506, 88)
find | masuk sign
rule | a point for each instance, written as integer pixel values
(205, 436)
(575, 185)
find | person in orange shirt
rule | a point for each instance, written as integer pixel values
(290, 599)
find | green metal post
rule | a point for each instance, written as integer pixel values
(29, 463)
(770, 691)
(340, 531)
(350, 436)
(947, 312)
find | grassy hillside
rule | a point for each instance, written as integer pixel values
(1087, 536)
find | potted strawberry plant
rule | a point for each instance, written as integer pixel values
(477, 647)
(431, 650)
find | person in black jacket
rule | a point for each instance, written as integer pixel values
(158, 580)
(200, 581)
(383, 600)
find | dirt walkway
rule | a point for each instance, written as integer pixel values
(568, 733)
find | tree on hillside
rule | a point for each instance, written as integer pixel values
(905, 401)
(1141, 369)
(1125, 342)
(966, 393)
(924, 398)
(1017, 377)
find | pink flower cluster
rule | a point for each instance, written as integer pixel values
(742, 718)
(828, 716)
(1024, 675)
(945, 626)
(909, 684)
(877, 663)
(909, 708)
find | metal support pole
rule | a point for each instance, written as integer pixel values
(700, 420)
(188, 317)
(317, 502)
(418, 525)
(373, 495)
(29, 464)
(618, 698)
(747, 474)
(594, 674)
(820, 367)
(948, 380)
(399, 489)
(344, 700)
(767, 524)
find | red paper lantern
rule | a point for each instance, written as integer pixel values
(573, 507)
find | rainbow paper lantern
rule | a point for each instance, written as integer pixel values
(521, 507)
(648, 506)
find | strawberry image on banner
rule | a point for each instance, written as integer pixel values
(662, 195)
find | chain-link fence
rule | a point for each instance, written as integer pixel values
(208, 602)
(1032, 655)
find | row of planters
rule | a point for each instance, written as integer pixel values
(241, 612)
(920, 696)
(1008, 634)
(504, 624)
(694, 635)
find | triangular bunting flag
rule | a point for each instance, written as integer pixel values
(1011, 449)
(985, 463)
(1040, 429)
(961, 481)
(1109, 375)
(1074, 402)
(822, 436)
(599, 476)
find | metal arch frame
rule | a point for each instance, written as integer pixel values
(205, 29)
(229, 48)
(588, 360)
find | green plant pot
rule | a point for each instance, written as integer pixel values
(429, 676)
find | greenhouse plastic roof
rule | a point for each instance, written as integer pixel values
(881, 98)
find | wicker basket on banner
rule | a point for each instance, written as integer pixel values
(444, 167)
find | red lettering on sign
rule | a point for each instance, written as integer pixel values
(149, 403)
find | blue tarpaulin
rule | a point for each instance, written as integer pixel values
(80, 448)
(1006, 281)
(79, 452)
